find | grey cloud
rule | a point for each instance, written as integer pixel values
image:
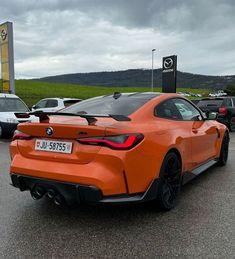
(56, 36)
(169, 14)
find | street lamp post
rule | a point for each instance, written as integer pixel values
(152, 70)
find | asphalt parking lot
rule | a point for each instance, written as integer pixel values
(201, 226)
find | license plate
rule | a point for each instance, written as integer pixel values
(53, 146)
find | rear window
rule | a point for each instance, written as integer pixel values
(120, 105)
(210, 103)
(12, 105)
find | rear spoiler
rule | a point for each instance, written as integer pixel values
(91, 118)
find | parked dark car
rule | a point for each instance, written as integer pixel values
(224, 106)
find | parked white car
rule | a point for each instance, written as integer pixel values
(54, 104)
(218, 93)
(9, 104)
(212, 94)
(221, 93)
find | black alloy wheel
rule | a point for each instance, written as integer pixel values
(170, 179)
(232, 124)
(224, 150)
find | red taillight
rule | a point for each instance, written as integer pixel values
(121, 142)
(223, 111)
(20, 135)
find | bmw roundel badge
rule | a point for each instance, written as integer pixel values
(49, 131)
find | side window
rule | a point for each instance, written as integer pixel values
(187, 110)
(167, 110)
(41, 104)
(233, 102)
(51, 103)
(227, 102)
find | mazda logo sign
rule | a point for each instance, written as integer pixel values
(168, 63)
(49, 131)
(3, 34)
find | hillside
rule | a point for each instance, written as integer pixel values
(33, 91)
(141, 78)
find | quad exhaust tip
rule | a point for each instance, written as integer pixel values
(58, 200)
(51, 193)
(37, 192)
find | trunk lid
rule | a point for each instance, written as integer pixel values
(65, 129)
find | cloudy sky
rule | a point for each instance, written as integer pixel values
(68, 36)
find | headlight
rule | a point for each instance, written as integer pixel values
(11, 120)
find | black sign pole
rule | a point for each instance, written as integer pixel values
(169, 74)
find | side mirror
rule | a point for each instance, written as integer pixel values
(212, 115)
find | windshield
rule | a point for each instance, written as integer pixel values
(12, 105)
(122, 105)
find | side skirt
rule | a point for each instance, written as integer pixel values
(150, 194)
(188, 176)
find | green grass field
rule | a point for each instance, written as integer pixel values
(32, 91)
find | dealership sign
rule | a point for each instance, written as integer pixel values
(169, 71)
(7, 58)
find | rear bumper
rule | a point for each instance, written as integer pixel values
(78, 193)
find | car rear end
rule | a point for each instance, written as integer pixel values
(217, 105)
(80, 158)
(210, 104)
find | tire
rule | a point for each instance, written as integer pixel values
(170, 179)
(232, 124)
(224, 151)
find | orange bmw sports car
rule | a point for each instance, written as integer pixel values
(120, 148)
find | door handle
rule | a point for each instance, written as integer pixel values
(195, 130)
